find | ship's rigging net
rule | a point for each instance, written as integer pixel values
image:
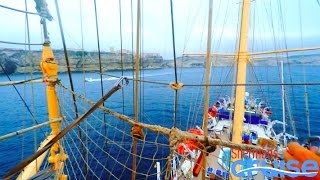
(99, 149)
(105, 149)
(101, 156)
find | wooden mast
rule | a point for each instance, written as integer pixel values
(136, 94)
(242, 59)
(206, 91)
(49, 69)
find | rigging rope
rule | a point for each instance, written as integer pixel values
(121, 53)
(84, 84)
(5, 7)
(163, 130)
(289, 68)
(304, 74)
(122, 74)
(257, 81)
(132, 56)
(28, 81)
(95, 143)
(256, 53)
(102, 150)
(23, 164)
(220, 84)
(24, 102)
(175, 68)
(257, 84)
(175, 136)
(31, 72)
(67, 58)
(99, 54)
(68, 69)
(96, 135)
(18, 43)
(25, 130)
(68, 145)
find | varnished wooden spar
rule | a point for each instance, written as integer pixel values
(255, 53)
(49, 69)
(22, 131)
(136, 90)
(27, 161)
(206, 90)
(29, 81)
(242, 59)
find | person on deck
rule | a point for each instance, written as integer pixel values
(212, 112)
(218, 106)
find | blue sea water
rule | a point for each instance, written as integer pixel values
(155, 107)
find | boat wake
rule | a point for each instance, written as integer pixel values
(117, 78)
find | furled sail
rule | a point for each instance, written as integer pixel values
(42, 9)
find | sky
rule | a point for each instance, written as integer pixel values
(274, 24)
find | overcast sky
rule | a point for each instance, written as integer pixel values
(268, 30)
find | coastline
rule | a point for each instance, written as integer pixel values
(21, 61)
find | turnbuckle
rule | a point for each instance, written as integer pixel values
(120, 82)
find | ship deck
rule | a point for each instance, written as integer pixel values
(218, 162)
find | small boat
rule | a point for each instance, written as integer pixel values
(89, 79)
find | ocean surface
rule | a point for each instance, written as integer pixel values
(155, 107)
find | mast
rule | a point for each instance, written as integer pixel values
(304, 76)
(206, 91)
(283, 108)
(306, 103)
(136, 94)
(242, 59)
(49, 69)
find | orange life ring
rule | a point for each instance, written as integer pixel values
(190, 144)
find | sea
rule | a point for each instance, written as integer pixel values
(156, 107)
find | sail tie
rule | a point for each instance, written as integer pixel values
(176, 86)
(137, 131)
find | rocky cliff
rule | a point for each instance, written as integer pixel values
(199, 61)
(13, 60)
